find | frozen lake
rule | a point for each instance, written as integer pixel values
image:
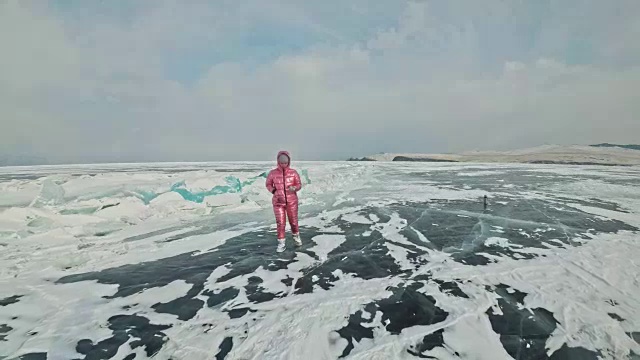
(400, 261)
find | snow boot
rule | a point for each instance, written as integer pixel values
(296, 239)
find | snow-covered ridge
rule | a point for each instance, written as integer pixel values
(572, 154)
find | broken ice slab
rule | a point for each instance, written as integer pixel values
(50, 194)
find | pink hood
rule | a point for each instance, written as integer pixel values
(283, 152)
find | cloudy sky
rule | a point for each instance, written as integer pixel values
(169, 80)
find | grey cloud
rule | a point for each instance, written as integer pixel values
(427, 84)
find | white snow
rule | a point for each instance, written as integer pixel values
(58, 224)
(501, 242)
(575, 284)
(325, 244)
(357, 219)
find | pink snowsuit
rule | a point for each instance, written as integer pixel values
(285, 201)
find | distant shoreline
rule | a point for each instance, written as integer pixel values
(589, 155)
(599, 154)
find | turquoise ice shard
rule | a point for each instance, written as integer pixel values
(305, 175)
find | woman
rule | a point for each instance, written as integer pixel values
(284, 183)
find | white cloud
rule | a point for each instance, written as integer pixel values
(36, 53)
(97, 84)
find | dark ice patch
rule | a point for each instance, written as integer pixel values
(152, 233)
(423, 277)
(472, 259)
(255, 292)
(508, 293)
(363, 254)
(288, 281)
(413, 238)
(405, 308)
(239, 312)
(635, 336)
(184, 307)
(304, 284)
(33, 356)
(215, 299)
(574, 353)
(373, 262)
(354, 331)
(84, 346)
(593, 202)
(523, 332)
(218, 299)
(427, 343)
(10, 300)
(225, 347)
(125, 327)
(462, 230)
(414, 253)
(615, 316)
(242, 254)
(4, 329)
(383, 217)
(452, 288)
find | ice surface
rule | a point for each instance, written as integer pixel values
(399, 261)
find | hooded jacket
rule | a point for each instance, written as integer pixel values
(280, 179)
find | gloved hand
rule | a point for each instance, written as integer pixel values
(292, 188)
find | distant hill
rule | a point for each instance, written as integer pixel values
(360, 159)
(610, 155)
(630, 146)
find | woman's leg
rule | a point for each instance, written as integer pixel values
(279, 211)
(292, 213)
